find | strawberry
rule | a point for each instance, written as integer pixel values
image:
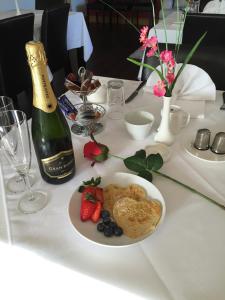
(88, 203)
(99, 194)
(96, 215)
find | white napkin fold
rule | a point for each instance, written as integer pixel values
(215, 7)
(192, 84)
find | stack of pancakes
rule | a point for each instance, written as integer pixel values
(131, 209)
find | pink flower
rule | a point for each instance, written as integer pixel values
(166, 56)
(151, 52)
(150, 43)
(171, 64)
(170, 77)
(159, 89)
(143, 34)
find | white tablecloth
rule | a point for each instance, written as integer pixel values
(183, 260)
(172, 27)
(77, 32)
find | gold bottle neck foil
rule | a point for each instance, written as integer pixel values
(43, 96)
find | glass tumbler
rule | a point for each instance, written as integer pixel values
(115, 95)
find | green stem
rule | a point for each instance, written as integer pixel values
(111, 155)
(190, 188)
(164, 23)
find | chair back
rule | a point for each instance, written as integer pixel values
(45, 4)
(54, 39)
(210, 56)
(15, 78)
(196, 24)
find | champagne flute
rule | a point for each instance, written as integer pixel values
(15, 141)
(14, 184)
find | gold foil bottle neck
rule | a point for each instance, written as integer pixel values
(35, 53)
(43, 96)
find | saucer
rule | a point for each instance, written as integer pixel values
(205, 155)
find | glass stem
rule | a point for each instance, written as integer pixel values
(28, 186)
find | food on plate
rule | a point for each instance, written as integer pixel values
(91, 203)
(136, 192)
(107, 226)
(122, 209)
(113, 192)
(137, 218)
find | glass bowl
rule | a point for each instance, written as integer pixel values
(89, 119)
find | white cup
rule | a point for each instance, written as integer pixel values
(178, 118)
(100, 96)
(138, 124)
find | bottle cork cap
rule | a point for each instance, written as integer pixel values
(35, 53)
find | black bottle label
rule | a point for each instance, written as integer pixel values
(60, 165)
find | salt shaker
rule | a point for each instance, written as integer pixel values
(218, 145)
(202, 139)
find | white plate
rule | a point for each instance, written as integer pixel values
(89, 230)
(205, 155)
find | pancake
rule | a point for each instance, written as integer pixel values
(137, 218)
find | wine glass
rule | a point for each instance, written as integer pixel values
(15, 141)
(14, 184)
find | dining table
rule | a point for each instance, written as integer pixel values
(77, 33)
(182, 260)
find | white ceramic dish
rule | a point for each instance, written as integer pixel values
(139, 124)
(89, 230)
(205, 155)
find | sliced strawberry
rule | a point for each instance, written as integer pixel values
(99, 194)
(96, 214)
(88, 192)
(88, 203)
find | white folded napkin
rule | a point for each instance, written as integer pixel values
(215, 6)
(192, 84)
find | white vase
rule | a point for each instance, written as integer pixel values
(164, 134)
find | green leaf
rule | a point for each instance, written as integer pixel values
(90, 197)
(188, 57)
(146, 66)
(135, 163)
(92, 181)
(154, 162)
(141, 153)
(146, 175)
(81, 189)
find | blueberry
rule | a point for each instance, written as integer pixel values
(112, 224)
(108, 231)
(100, 227)
(118, 231)
(105, 214)
(107, 220)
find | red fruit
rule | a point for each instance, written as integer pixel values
(96, 215)
(99, 194)
(88, 203)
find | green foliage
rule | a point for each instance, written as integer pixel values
(143, 165)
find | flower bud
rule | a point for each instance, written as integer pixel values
(95, 151)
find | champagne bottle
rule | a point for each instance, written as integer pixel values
(50, 131)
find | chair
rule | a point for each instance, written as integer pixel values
(210, 56)
(46, 4)
(53, 37)
(15, 78)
